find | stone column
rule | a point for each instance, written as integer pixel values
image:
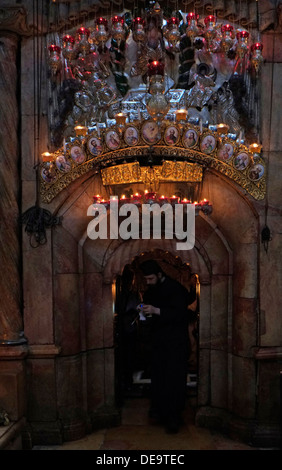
(11, 324)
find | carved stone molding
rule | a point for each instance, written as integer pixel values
(14, 19)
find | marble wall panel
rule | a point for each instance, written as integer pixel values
(206, 312)
(270, 287)
(218, 254)
(108, 315)
(13, 392)
(28, 196)
(244, 326)
(274, 181)
(110, 377)
(42, 398)
(28, 157)
(220, 312)
(275, 95)
(231, 213)
(71, 406)
(245, 271)
(204, 386)
(65, 251)
(76, 219)
(219, 379)
(67, 312)
(38, 293)
(95, 379)
(269, 392)
(203, 230)
(94, 309)
(244, 387)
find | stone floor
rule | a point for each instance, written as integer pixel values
(137, 433)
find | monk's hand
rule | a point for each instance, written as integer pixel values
(150, 310)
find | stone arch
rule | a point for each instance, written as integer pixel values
(224, 256)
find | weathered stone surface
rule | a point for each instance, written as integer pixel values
(67, 312)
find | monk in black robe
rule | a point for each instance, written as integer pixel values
(166, 301)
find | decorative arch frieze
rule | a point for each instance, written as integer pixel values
(169, 162)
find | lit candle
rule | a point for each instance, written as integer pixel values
(124, 199)
(136, 198)
(47, 157)
(185, 201)
(96, 199)
(150, 197)
(163, 199)
(80, 130)
(174, 200)
(181, 114)
(155, 68)
(222, 128)
(120, 119)
(204, 202)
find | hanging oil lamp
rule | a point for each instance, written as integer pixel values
(101, 33)
(257, 58)
(138, 31)
(68, 50)
(158, 104)
(210, 31)
(242, 43)
(227, 40)
(192, 29)
(83, 43)
(118, 32)
(171, 32)
(54, 60)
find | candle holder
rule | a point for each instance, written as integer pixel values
(222, 129)
(181, 116)
(80, 131)
(120, 121)
(47, 157)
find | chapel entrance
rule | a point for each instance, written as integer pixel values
(133, 336)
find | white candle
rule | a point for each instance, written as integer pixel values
(201, 125)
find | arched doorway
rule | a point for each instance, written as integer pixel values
(133, 334)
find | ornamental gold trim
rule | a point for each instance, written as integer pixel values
(168, 172)
(181, 161)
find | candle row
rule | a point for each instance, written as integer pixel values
(149, 198)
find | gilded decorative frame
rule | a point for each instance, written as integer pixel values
(190, 137)
(208, 143)
(169, 138)
(76, 152)
(94, 145)
(155, 132)
(241, 160)
(225, 150)
(131, 140)
(62, 163)
(112, 139)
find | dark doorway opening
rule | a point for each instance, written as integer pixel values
(133, 335)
